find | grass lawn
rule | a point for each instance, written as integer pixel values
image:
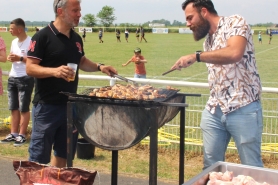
(161, 52)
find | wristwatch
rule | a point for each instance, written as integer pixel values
(198, 53)
(21, 59)
(98, 66)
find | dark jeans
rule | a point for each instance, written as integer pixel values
(49, 130)
(19, 93)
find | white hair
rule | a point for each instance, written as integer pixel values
(60, 4)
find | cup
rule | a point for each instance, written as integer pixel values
(112, 82)
(74, 68)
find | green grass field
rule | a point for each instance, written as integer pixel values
(161, 51)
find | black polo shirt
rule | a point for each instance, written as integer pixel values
(54, 49)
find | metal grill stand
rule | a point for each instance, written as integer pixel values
(153, 134)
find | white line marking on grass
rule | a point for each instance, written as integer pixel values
(194, 76)
(266, 60)
(265, 50)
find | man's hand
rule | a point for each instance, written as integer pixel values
(64, 72)
(109, 70)
(184, 62)
(13, 58)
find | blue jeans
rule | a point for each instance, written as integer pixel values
(245, 125)
(139, 76)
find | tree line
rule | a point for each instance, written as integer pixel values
(106, 18)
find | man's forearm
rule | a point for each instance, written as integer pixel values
(38, 71)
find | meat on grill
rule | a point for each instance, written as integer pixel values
(129, 92)
(227, 178)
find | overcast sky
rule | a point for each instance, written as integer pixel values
(141, 11)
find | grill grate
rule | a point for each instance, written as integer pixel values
(168, 93)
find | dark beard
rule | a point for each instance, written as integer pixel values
(201, 29)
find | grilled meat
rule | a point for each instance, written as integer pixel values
(129, 92)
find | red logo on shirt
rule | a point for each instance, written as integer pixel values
(32, 46)
(79, 47)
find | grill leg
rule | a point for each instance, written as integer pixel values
(182, 147)
(114, 174)
(153, 151)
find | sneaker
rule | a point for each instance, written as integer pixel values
(19, 140)
(9, 138)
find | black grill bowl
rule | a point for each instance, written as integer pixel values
(120, 126)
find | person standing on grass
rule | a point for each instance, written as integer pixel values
(142, 31)
(20, 85)
(270, 37)
(118, 35)
(3, 58)
(137, 34)
(260, 37)
(234, 107)
(50, 51)
(100, 35)
(84, 34)
(139, 61)
(126, 35)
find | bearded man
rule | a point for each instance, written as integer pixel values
(234, 107)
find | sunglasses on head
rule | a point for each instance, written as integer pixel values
(56, 7)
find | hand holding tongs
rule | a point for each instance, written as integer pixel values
(124, 79)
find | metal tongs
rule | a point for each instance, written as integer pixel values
(124, 79)
(169, 71)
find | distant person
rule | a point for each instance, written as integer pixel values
(233, 109)
(37, 29)
(118, 35)
(142, 34)
(139, 61)
(100, 34)
(270, 37)
(3, 58)
(260, 37)
(20, 85)
(137, 34)
(84, 34)
(126, 35)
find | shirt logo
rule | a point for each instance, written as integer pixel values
(78, 45)
(32, 46)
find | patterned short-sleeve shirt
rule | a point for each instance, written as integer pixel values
(233, 85)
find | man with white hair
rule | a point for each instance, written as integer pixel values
(51, 49)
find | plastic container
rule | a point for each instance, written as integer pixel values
(257, 173)
(85, 150)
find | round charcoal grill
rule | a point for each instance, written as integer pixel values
(121, 125)
(116, 124)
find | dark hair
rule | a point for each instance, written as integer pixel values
(18, 22)
(200, 4)
(137, 50)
